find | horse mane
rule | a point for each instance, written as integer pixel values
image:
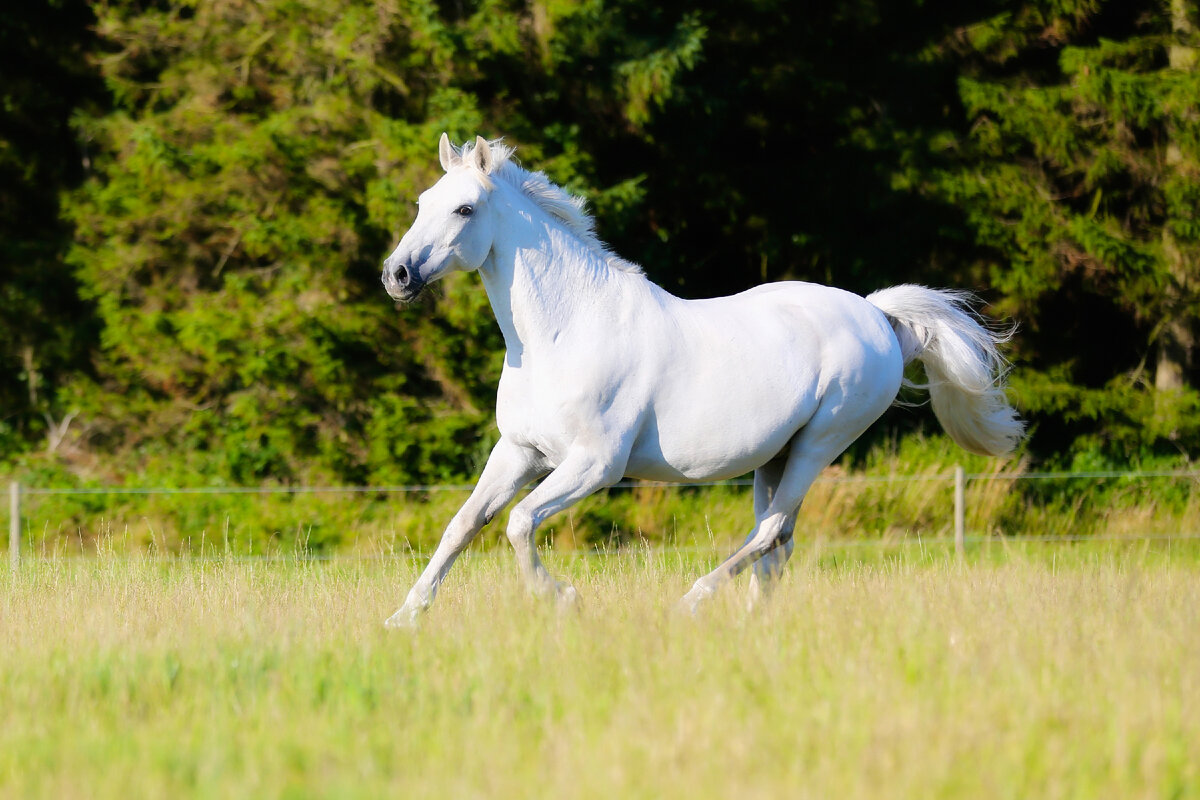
(569, 209)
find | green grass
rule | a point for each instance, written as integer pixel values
(894, 491)
(1030, 671)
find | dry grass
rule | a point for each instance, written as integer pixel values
(892, 493)
(1065, 671)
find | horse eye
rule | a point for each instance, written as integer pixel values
(464, 211)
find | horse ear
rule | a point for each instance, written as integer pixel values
(446, 153)
(482, 155)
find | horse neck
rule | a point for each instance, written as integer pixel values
(540, 278)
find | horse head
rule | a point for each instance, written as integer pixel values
(454, 228)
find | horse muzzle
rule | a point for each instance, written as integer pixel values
(403, 283)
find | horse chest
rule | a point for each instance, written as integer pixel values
(549, 406)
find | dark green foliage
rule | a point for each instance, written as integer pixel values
(45, 327)
(192, 268)
(231, 238)
(1081, 173)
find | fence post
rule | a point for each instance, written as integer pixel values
(14, 524)
(960, 511)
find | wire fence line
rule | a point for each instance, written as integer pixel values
(466, 487)
(958, 476)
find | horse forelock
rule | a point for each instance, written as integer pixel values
(569, 209)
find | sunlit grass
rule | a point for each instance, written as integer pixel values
(1029, 671)
(894, 492)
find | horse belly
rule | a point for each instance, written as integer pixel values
(652, 461)
(726, 423)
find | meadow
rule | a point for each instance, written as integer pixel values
(891, 493)
(1027, 670)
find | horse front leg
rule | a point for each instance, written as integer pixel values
(509, 468)
(579, 475)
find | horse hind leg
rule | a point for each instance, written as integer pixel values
(770, 538)
(831, 430)
(769, 567)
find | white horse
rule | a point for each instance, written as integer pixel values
(609, 376)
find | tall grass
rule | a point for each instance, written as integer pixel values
(1031, 671)
(904, 490)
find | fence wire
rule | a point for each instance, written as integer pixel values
(958, 477)
(466, 487)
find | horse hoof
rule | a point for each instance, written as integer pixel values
(757, 594)
(404, 619)
(691, 602)
(568, 598)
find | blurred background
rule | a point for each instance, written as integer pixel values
(196, 198)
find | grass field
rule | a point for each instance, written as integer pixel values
(887, 493)
(1029, 671)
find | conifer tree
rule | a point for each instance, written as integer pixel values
(44, 328)
(1083, 179)
(259, 163)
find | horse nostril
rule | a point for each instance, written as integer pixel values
(402, 275)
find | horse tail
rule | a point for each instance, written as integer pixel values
(963, 365)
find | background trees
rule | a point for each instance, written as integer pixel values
(1080, 175)
(193, 262)
(44, 324)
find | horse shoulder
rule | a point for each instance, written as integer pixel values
(554, 399)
